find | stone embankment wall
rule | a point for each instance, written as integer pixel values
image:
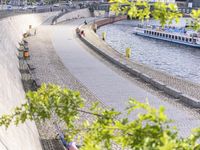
(186, 91)
(23, 137)
(81, 13)
(110, 20)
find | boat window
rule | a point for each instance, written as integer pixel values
(170, 36)
(179, 38)
(190, 40)
(186, 39)
(194, 40)
(176, 37)
(166, 35)
(183, 39)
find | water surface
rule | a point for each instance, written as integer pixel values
(179, 60)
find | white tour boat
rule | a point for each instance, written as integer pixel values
(170, 34)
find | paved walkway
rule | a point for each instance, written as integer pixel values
(107, 85)
(184, 86)
(50, 69)
(78, 69)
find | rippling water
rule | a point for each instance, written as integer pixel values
(175, 59)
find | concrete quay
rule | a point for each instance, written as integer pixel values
(111, 88)
(61, 58)
(50, 69)
(186, 91)
(12, 94)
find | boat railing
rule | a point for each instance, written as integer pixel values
(178, 37)
(175, 34)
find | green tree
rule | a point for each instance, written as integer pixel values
(195, 19)
(150, 130)
(142, 10)
(163, 12)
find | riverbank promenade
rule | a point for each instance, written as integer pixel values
(46, 48)
(60, 57)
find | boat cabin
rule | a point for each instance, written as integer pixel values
(170, 36)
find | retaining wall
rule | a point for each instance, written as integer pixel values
(81, 13)
(23, 137)
(110, 20)
(190, 95)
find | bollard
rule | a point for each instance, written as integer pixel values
(26, 54)
(128, 52)
(104, 36)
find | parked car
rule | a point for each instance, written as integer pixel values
(40, 3)
(9, 7)
(55, 5)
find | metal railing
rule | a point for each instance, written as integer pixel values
(8, 13)
(186, 10)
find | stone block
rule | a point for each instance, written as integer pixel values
(172, 92)
(157, 84)
(190, 100)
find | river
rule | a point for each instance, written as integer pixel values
(175, 59)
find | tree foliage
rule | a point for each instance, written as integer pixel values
(142, 10)
(150, 130)
(195, 19)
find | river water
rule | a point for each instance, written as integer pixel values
(179, 60)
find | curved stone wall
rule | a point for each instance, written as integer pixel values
(23, 137)
(181, 89)
(105, 21)
(81, 13)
